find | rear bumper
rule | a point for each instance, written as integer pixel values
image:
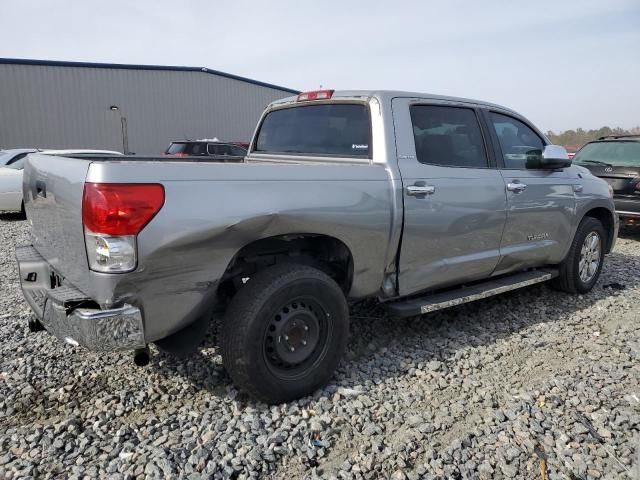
(68, 314)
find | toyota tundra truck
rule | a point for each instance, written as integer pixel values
(418, 201)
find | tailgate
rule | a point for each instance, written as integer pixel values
(53, 188)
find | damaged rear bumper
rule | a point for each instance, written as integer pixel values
(70, 315)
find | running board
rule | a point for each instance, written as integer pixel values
(450, 298)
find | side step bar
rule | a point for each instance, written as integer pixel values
(458, 296)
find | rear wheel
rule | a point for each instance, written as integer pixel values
(581, 268)
(284, 332)
(23, 213)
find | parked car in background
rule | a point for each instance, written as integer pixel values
(616, 159)
(11, 175)
(571, 150)
(10, 156)
(209, 149)
(418, 201)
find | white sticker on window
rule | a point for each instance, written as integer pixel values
(359, 146)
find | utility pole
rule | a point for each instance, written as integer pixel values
(123, 126)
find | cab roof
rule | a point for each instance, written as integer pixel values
(388, 95)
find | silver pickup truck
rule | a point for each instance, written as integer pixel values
(419, 201)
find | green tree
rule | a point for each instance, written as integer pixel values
(573, 139)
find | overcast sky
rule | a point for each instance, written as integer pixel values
(563, 64)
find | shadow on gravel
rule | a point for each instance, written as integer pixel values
(441, 334)
(630, 233)
(12, 217)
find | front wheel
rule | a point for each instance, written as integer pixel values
(284, 332)
(581, 269)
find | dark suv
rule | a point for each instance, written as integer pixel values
(616, 159)
(220, 151)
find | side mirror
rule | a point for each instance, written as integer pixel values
(553, 157)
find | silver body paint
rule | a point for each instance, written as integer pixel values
(470, 227)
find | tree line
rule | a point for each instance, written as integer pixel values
(577, 138)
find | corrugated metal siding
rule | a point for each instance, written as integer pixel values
(68, 107)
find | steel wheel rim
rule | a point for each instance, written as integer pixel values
(296, 338)
(590, 255)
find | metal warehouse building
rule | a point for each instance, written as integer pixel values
(49, 104)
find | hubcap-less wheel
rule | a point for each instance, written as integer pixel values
(590, 257)
(295, 338)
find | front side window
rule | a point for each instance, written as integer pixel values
(518, 142)
(325, 130)
(447, 136)
(613, 154)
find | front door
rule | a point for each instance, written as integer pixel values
(541, 203)
(454, 198)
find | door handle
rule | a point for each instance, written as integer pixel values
(420, 190)
(516, 187)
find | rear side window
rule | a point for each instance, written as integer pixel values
(328, 129)
(187, 148)
(18, 162)
(448, 136)
(238, 151)
(517, 140)
(214, 149)
(18, 159)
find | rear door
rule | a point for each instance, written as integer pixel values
(541, 203)
(454, 197)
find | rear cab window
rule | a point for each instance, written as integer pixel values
(328, 129)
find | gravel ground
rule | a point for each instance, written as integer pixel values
(501, 388)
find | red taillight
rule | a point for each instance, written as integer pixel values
(120, 208)
(315, 95)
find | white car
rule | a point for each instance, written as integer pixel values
(11, 176)
(8, 157)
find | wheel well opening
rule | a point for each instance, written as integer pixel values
(606, 218)
(323, 252)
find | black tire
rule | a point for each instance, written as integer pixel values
(284, 332)
(23, 213)
(570, 279)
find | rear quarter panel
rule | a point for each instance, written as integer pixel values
(211, 211)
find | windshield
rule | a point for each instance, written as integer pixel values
(326, 129)
(615, 154)
(187, 149)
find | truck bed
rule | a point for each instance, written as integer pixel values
(211, 211)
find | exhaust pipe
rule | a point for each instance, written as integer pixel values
(142, 356)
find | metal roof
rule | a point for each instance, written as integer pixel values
(124, 66)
